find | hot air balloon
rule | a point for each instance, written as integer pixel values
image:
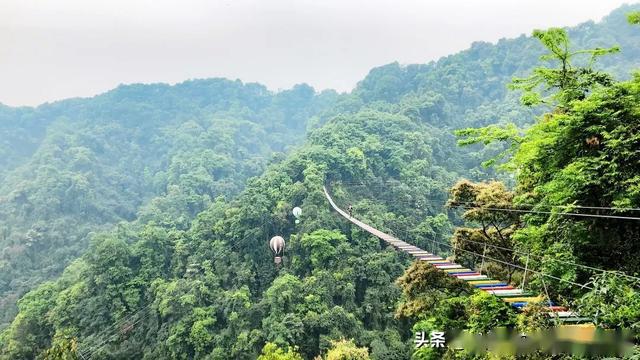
(297, 212)
(277, 246)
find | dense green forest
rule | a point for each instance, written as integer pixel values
(141, 152)
(158, 202)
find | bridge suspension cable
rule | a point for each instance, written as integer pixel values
(634, 218)
(540, 257)
(513, 296)
(547, 206)
(480, 207)
(515, 265)
(484, 256)
(471, 252)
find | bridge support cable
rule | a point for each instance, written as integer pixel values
(517, 298)
(527, 253)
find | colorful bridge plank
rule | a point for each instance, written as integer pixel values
(515, 297)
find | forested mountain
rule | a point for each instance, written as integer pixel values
(188, 274)
(77, 167)
(470, 88)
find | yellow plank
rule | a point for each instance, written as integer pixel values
(483, 282)
(529, 299)
(456, 270)
(584, 325)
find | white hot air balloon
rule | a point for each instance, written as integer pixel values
(277, 246)
(297, 212)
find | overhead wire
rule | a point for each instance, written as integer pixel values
(114, 329)
(116, 325)
(514, 265)
(525, 211)
(622, 209)
(540, 257)
(142, 313)
(553, 213)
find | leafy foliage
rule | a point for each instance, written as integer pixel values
(614, 301)
(172, 193)
(212, 290)
(347, 350)
(155, 153)
(566, 82)
(272, 352)
(484, 204)
(576, 170)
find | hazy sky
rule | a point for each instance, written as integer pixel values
(54, 49)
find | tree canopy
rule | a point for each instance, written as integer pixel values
(136, 223)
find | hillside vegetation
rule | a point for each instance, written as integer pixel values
(185, 173)
(140, 152)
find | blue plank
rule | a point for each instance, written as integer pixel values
(523, 304)
(490, 285)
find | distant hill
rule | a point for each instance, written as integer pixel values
(151, 158)
(79, 166)
(469, 87)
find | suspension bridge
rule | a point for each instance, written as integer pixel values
(518, 298)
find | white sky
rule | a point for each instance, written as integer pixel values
(54, 49)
